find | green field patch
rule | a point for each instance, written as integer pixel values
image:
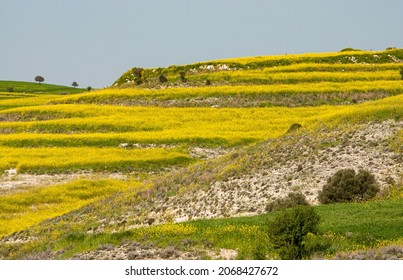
(343, 227)
(42, 88)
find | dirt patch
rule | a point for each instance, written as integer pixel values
(393, 252)
(207, 153)
(139, 251)
(20, 182)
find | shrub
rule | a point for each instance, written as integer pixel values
(350, 50)
(294, 127)
(291, 200)
(182, 76)
(137, 74)
(289, 229)
(162, 79)
(39, 79)
(10, 89)
(401, 72)
(89, 88)
(345, 185)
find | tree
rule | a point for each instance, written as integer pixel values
(346, 185)
(39, 79)
(89, 88)
(74, 84)
(289, 228)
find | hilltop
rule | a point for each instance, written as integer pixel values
(29, 87)
(183, 162)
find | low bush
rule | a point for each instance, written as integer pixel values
(350, 50)
(137, 74)
(347, 185)
(162, 79)
(291, 200)
(182, 76)
(294, 127)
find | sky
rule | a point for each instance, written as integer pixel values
(94, 41)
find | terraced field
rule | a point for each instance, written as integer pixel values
(204, 140)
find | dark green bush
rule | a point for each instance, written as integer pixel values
(10, 89)
(291, 200)
(347, 185)
(294, 127)
(401, 72)
(182, 76)
(162, 79)
(137, 73)
(350, 50)
(289, 229)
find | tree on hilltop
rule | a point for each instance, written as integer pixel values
(74, 84)
(39, 79)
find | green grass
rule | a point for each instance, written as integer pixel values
(343, 227)
(42, 88)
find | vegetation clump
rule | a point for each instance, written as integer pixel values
(182, 76)
(162, 79)
(289, 229)
(137, 74)
(346, 185)
(350, 50)
(291, 200)
(294, 127)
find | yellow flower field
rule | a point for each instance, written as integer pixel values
(23, 209)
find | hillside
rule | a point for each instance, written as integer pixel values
(182, 162)
(19, 94)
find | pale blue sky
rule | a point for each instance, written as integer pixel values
(94, 41)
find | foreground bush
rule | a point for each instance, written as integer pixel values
(289, 229)
(347, 185)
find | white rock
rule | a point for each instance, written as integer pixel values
(11, 172)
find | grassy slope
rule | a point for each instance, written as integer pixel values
(42, 88)
(252, 63)
(31, 94)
